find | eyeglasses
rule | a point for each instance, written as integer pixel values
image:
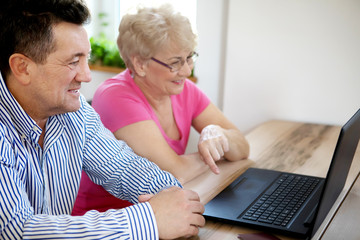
(178, 64)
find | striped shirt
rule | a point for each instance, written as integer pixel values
(38, 186)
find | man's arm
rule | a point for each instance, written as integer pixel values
(177, 212)
(111, 163)
(181, 215)
(22, 217)
(19, 219)
(135, 222)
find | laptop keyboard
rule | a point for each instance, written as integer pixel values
(280, 203)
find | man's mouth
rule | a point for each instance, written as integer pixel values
(74, 91)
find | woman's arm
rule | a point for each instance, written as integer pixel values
(146, 140)
(226, 134)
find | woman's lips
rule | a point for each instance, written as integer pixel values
(179, 82)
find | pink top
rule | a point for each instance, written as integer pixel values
(120, 102)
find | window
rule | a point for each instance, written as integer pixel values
(115, 9)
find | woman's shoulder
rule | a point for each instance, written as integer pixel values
(191, 89)
(189, 83)
(119, 84)
(192, 95)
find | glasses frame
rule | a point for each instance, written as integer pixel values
(193, 56)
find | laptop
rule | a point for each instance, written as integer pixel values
(258, 198)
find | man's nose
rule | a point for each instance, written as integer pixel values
(84, 73)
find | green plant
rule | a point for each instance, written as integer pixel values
(104, 51)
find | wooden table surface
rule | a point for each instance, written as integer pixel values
(345, 224)
(297, 147)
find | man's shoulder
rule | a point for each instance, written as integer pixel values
(5, 121)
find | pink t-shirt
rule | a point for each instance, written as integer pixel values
(120, 102)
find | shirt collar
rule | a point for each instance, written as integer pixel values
(23, 123)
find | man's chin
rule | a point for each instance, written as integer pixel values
(75, 106)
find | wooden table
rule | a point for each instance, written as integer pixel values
(345, 224)
(297, 147)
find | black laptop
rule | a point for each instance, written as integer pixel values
(287, 203)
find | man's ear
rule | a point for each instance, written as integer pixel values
(139, 66)
(19, 65)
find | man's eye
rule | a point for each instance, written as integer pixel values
(75, 63)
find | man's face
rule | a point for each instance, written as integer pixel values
(56, 83)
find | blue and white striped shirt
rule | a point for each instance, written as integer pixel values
(38, 186)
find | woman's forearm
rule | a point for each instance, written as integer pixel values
(238, 145)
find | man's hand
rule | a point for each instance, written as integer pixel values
(178, 212)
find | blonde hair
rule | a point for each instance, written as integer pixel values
(146, 32)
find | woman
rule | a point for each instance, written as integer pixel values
(152, 105)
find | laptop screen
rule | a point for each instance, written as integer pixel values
(336, 177)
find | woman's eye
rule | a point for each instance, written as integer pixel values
(175, 63)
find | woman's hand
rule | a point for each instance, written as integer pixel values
(212, 145)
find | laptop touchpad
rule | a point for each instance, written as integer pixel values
(241, 193)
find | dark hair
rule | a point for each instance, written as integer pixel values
(26, 26)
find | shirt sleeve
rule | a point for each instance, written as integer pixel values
(109, 162)
(19, 221)
(134, 222)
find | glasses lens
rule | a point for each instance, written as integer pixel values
(192, 58)
(189, 60)
(176, 66)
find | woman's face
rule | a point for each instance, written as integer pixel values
(160, 80)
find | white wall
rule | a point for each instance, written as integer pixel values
(209, 68)
(97, 77)
(292, 59)
(211, 29)
(112, 18)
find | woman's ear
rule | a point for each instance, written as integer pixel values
(19, 65)
(140, 66)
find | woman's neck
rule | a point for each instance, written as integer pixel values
(157, 100)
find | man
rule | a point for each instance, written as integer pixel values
(48, 134)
